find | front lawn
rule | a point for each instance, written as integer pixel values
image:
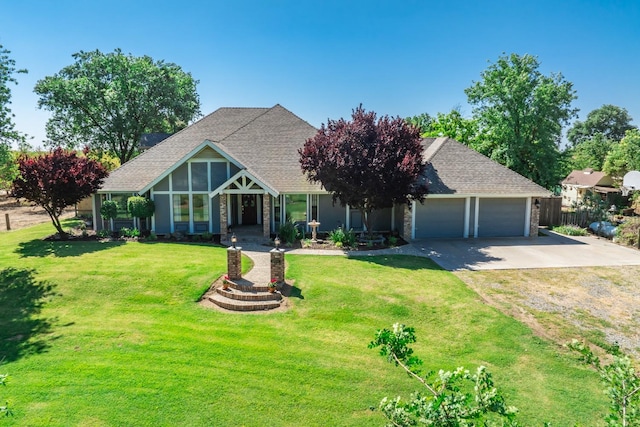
(107, 334)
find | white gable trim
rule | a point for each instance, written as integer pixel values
(204, 144)
(244, 182)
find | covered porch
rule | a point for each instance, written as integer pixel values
(244, 202)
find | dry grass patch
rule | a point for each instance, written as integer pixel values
(600, 304)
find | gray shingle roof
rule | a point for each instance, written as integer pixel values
(265, 140)
(268, 147)
(457, 169)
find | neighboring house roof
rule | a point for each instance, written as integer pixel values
(454, 168)
(588, 178)
(264, 140)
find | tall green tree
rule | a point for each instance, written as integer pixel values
(451, 124)
(625, 156)
(591, 141)
(520, 113)
(609, 121)
(109, 100)
(8, 132)
(591, 153)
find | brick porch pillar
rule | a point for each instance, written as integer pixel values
(277, 264)
(534, 219)
(266, 215)
(234, 263)
(223, 217)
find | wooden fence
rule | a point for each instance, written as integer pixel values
(551, 214)
(581, 218)
(550, 211)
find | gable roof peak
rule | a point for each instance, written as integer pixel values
(435, 144)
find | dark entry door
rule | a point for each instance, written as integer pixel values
(249, 209)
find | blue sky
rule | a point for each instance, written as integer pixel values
(320, 59)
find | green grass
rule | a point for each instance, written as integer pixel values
(104, 334)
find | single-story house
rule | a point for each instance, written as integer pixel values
(240, 166)
(576, 185)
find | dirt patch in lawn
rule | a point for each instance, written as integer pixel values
(598, 304)
(23, 214)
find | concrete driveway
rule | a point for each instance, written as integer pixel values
(553, 250)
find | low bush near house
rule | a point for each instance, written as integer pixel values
(570, 230)
(104, 233)
(341, 238)
(129, 232)
(288, 232)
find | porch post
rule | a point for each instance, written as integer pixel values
(266, 215)
(534, 219)
(407, 220)
(223, 217)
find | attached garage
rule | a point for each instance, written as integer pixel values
(471, 196)
(502, 217)
(439, 217)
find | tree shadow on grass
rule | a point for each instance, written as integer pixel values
(63, 248)
(21, 300)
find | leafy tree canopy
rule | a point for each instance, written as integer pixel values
(56, 180)
(609, 121)
(591, 153)
(520, 113)
(451, 124)
(8, 133)
(110, 100)
(366, 163)
(624, 156)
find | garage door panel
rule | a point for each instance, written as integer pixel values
(501, 217)
(440, 218)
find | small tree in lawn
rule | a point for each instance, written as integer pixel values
(57, 180)
(365, 163)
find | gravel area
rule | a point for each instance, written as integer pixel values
(596, 302)
(23, 214)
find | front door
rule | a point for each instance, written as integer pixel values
(249, 209)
